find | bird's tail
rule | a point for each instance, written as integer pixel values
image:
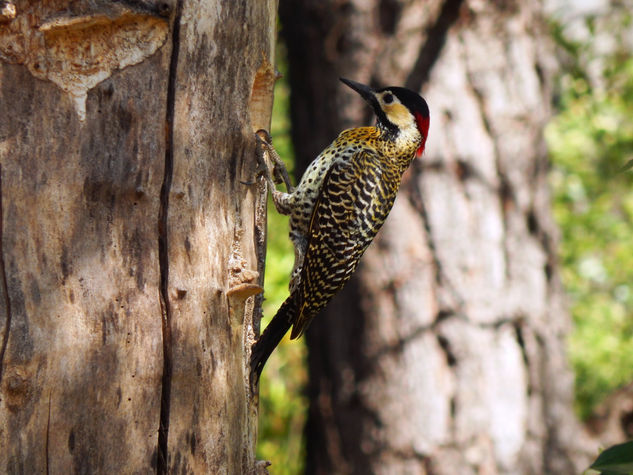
(268, 341)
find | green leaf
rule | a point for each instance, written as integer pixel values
(617, 459)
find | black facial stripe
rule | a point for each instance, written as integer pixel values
(391, 130)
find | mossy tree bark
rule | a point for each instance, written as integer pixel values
(130, 248)
(446, 353)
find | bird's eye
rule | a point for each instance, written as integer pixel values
(387, 98)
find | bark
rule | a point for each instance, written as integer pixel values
(130, 249)
(446, 353)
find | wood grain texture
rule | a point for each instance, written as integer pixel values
(211, 231)
(82, 372)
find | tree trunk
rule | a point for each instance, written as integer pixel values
(446, 353)
(130, 249)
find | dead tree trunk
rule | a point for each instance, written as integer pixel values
(446, 353)
(129, 246)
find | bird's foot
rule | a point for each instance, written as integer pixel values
(280, 172)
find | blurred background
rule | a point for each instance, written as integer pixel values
(489, 328)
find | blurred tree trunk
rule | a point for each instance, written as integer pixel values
(129, 245)
(446, 353)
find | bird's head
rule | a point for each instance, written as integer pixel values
(398, 110)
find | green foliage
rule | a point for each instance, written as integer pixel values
(282, 405)
(615, 460)
(591, 141)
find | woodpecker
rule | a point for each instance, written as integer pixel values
(340, 204)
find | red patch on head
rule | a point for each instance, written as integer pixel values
(423, 126)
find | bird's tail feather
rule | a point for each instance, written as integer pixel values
(268, 341)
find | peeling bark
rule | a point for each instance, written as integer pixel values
(76, 46)
(131, 251)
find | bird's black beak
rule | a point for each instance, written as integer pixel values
(369, 95)
(366, 92)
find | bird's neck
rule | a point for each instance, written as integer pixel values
(402, 145)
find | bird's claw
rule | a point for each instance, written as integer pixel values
(279, 172)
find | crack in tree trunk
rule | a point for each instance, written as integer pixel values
(163, 250)
(5, 287)
(434, 44)
(48, 434)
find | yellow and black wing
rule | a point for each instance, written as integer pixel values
(353, 203)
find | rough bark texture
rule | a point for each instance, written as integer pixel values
(446, 354)
(129, 245)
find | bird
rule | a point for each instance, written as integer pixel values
(341, 202)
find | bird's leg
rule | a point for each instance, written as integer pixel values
(280, 172)
(281, 200)
(300, 243)
(262, 166)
